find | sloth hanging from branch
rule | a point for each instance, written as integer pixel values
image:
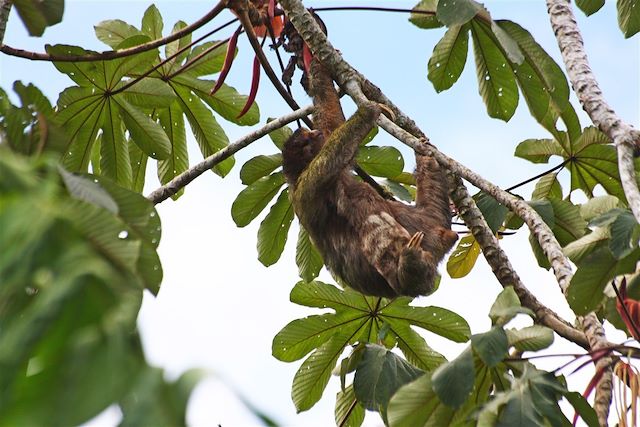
(377, 246)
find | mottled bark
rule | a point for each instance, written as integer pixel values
(586, 87)
(5, 9)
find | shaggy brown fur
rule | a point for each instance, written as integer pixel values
(377, 246)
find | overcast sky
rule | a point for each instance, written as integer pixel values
(219, 308)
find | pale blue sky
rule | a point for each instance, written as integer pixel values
(219, 308)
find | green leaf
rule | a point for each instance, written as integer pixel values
(112, 32)
(423, 20)
(114, 151)
(83, 73)
(531, 338)
(208, 133)
(629, 17)
(301, 336)
(380, 161)
(568, 224)
(582, 407)
(211, 62)
(379, 375)
(492, 347)
(321, 295)
(417, 405)
(547, 187)
(280, 135)
(539, 150)
(589, 7)
(253, 199)
(258, 167)
(172, 121)
(226, 101)
(414, 347)
(595, 164)
(585, 291)
(453, 381)
(145, 132)
(37, 15)
(173, 47)
(349, 412)
(308, 259)
(463, 257)
(84, 189)
(149, 93)
(494, 213)
(81, 114)
(596, 206)
(496, 80)
(153, 401)
(578, 249)
(114, 70)
(540, 78)
(138, 161)
(274, 229)
(457, 12)
(449, 57)
(311, 379)
(152, 23)
(624, 235)
(509, 45)
(438, 320)
(506, 307)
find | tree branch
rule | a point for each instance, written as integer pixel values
(408, 133)
(501, 266)
(180, 181)
(5, 9)
(113, 54)
(586, 87)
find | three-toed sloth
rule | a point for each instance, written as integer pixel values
(377, 246)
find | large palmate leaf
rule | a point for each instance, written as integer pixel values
(588, 158)
(141, 100)
(357, 318)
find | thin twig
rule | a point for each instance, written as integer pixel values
(113, 54)
(180, 181)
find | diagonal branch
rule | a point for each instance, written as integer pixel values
(113, 54)
(180, 181)
(586, 87)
